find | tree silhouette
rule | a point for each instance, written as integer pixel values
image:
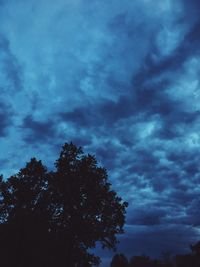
(196, 249)
(190, 260)
(144, 261)
(23, 215)
(119, 260)
(54, 218)
(139, 261)
(168, 259)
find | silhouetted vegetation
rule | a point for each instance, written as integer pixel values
(185, 260)
(52, 218)
(119, 260)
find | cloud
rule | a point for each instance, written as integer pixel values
(120, 79)
(6, 119)
(154, 240)
(10, 79)
(38, 131)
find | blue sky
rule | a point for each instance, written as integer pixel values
(121, 79)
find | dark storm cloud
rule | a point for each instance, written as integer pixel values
(10, 68)
(6, 119)
(147, 101)
(169, 64)
(103, 113)
(37, 131)
(80, 116)
(188, 47)
(157, 240)
(145, 216)
(191, 8)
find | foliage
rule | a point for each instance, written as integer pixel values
(184, 260)
(53, 218)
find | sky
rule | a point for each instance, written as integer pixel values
(121, 79)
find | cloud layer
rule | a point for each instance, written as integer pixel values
(120, 79)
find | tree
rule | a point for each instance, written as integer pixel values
(54, 218)
(192, 260)
(196, 249)
(25, 217)
(144, 261)
(119, 260)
